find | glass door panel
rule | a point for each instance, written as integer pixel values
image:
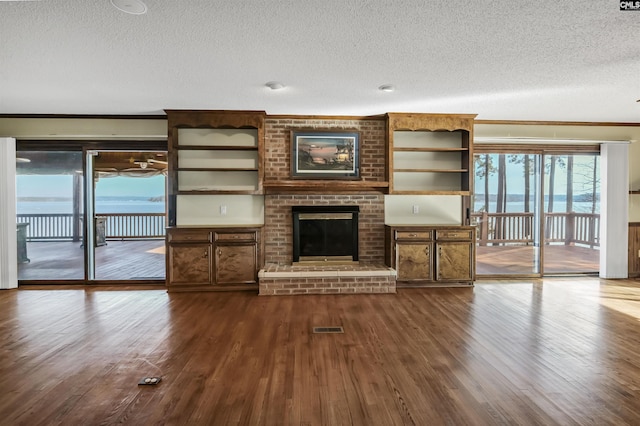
(129, 215)
(50, 209)
(571, 213)
(505, 208)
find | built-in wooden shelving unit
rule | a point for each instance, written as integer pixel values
(430, 153)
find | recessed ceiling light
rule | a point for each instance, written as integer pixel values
(275, 85)
(133, 7)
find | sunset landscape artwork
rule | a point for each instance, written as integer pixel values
(325, 155)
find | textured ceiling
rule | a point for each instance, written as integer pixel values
(500, 59)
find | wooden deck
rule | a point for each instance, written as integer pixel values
(518, 260)
(536, 352)
(118, 260)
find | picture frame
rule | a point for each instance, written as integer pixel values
(325, 154)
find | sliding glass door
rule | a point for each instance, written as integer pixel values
(129, 214)
(506, 209)
(90, 215)
(571, 213)
(50, 210)
(537, 213)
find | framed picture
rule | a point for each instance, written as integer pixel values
(325, 155)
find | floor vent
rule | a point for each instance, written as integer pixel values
(149, 381)
(324, 330)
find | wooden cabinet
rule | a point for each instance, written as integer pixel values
(428, 255)
(413, 260)
(430, 153)
(213, 258)
(190, 264)
(213, 154)
(189, 257)
(236, 257)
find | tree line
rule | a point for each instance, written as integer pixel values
(588, 174)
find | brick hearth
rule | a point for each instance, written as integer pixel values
(343, 279)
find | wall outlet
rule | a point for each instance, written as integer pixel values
(223, 210)
(416, 209)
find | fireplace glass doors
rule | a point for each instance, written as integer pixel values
(325, 233)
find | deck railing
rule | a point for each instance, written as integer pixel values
(499, 228)
(565, 228)
(573, 228)
(66, 226)
(493, 228)
(50, 226)
(134, 225)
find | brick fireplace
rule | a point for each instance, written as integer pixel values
(325, 234)
(368, 276)
(280, 276)
(278, 230)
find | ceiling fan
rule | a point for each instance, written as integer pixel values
(143, 164)
(153, 160)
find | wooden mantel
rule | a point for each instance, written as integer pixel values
(326, 186)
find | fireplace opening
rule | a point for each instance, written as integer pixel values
(325, 233)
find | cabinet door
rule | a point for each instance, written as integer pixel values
(454, 261)
(236, 264)
(413, 261)
(190, 264)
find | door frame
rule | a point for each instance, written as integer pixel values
(84, 146)
(542, 150)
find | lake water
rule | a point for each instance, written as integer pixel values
(559, 206)
(103, 205)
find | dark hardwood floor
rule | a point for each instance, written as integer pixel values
(542, 352)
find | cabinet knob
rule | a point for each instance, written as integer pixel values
(426, 250)
(413, 235)
(205, 255)
(219, 252)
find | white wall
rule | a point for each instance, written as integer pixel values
(431, 210)
(219, 210)
(83, 128)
